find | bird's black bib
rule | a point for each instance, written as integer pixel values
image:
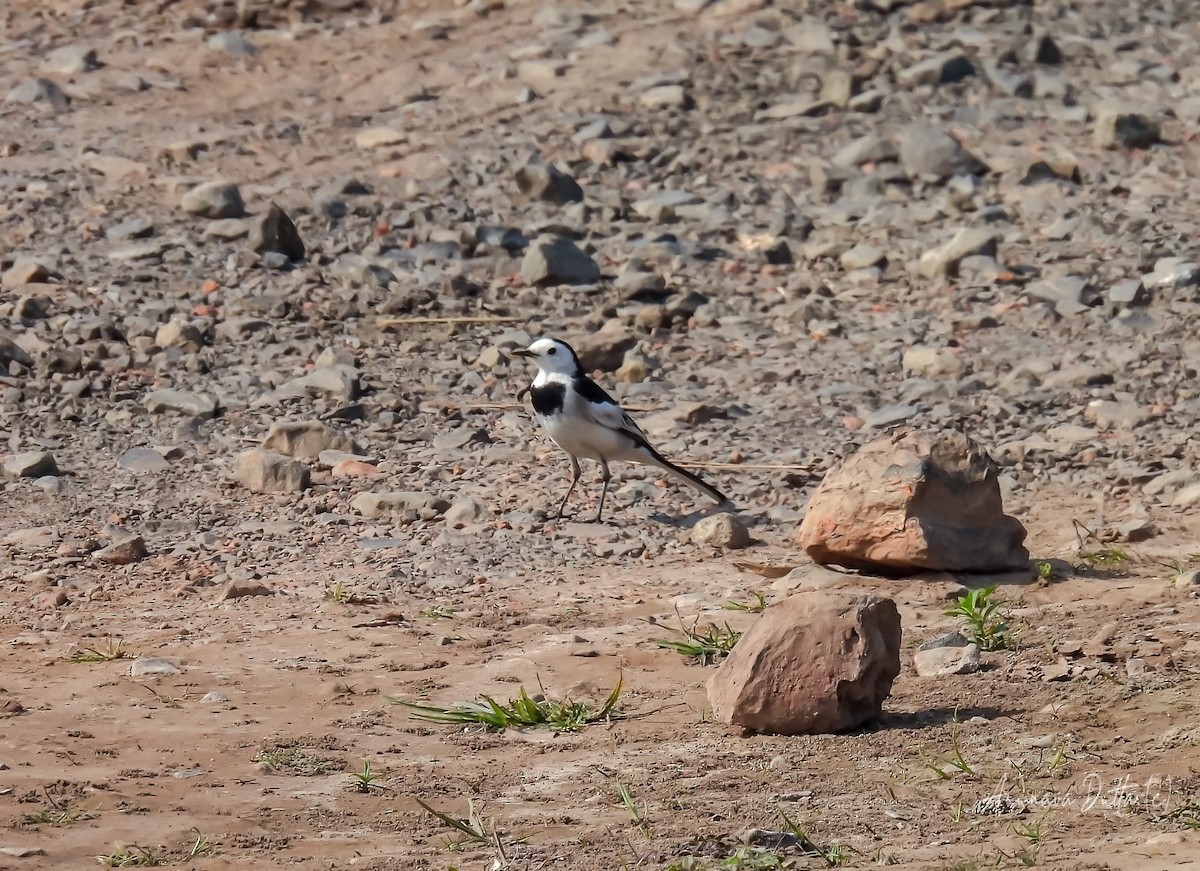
(548, 399)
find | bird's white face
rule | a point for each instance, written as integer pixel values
(551, 356)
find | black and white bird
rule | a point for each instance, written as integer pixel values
(587, 423)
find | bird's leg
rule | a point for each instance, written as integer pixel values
(575, 473)
(605, 476)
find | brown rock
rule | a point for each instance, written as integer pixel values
(25, 272)
(306, 439)
(124, 552)
(265, 471)
(55, 598)
(604, 350)
(236, 589)
(910, 501)
(813, 663)
(354, 469)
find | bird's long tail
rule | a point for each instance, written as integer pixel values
(688, 477)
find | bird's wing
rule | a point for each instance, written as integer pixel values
(604, 410)
(610, 415)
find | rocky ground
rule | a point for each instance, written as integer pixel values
(776, 230)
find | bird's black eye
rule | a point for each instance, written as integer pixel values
(552, 351)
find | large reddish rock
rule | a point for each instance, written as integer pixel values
(813, 663)
(913, 501)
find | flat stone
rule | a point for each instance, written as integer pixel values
(1069, 294)
(22, 852)
(557, 260)
(30, 464)
(72, 60)
(38, 90)
(941, 69)
(181, 401)
(145, 666)
(214, 200)
(944, 260)
(309, 440)
(666, 97)
(379, 137)
(944, 661)
(239, 589)
(379, 504)
(926, 150)
(143, 461)
(233, 43)
(466, 512)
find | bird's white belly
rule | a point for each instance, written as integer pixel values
(581, 437)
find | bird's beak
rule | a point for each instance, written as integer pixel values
(521, 352)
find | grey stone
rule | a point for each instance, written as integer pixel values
(943, 261)
(339, 382)
(233, 43)
(145, 666)
(544, 181)
(1172, 273)
(1131, 292)
(214, 200)
(182, 401)
(131, 228)
(862, 256)
(11, 352)
(38, 91)
(889, 415)
(723, 530)
(143, 461)
(72, 60)
(466, 512)
(378, 504)
(179, 334)
(926, 150)
(661, 206)
(1069, 294)
(946, 660)
(666, 97)
(275, 233)
(30, 464)
(557, 260)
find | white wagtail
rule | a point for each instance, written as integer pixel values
(586, 422)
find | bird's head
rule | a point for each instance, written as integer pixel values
(552, 356)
